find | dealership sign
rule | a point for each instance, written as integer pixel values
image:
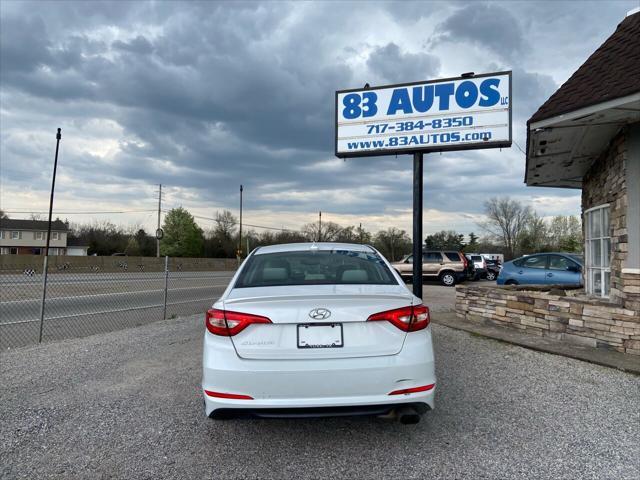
(469, 112)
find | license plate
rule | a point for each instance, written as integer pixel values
(320, 335)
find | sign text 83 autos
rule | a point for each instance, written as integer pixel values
(428, 116)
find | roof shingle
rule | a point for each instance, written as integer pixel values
(612, 71)
(16, 224)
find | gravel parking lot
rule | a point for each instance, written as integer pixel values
(127, 404)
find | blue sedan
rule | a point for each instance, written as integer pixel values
(543, 268)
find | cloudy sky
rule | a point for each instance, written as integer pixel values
(204, 96)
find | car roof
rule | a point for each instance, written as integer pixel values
(309, 246)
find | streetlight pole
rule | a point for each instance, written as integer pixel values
(159, 210)
(319, 226)
(45, 267)
(239, 253)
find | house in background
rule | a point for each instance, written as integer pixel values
(77, 248)
(587, 136)
(29, 237)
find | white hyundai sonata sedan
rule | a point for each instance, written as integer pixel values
(317, 329)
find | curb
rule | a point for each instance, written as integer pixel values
(606, 358)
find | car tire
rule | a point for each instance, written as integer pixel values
(491, 275)
(511, 282)
(448, 279)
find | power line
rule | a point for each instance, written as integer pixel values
(80, 213)
(519, 148)
(201, 217)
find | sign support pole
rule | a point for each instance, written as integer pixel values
(417, 223)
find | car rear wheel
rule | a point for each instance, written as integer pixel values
(448, 279)
(491, 275)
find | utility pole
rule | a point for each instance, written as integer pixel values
(319, 226)
(360, 231)
(45, 268)
(239, 252)
(159, 209)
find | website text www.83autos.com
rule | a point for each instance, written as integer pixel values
(412, 133)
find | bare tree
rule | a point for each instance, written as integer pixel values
(330, 231)
(3, 215)
(225, 224)
(507, 220)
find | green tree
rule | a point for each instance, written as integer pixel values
(445, 240)
(393, 243)
(473, 245)
(535, 237)
(182, 235)
(565, 233)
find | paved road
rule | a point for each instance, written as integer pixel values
(84, 304)
(127, 404)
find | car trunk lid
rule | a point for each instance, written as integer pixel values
(302, 329)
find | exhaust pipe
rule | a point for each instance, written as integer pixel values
(407, 415)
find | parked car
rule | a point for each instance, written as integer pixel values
(543, 268)
(493, 269)
(479, 264)
(317, 329)
(447, 266)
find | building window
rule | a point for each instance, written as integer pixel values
(36, 251)
(38, 235)
(16, 235)
(598, 250)
(13, 251)
(55, 236)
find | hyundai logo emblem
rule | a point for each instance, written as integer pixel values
(320, 313)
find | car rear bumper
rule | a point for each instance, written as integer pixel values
(309, 387)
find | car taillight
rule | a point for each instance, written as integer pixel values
(405, 391)
(408, 319)
(233, 396)
(464, 260)
(228, 324)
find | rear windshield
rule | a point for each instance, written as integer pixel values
(476, 258)
(320, 267)
(453, 256)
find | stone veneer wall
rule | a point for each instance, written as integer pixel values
(605, 182)
(573, 319)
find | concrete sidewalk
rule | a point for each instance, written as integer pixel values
(599, 356)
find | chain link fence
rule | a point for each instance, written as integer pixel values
(89, 295)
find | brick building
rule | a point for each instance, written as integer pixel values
(586, 136)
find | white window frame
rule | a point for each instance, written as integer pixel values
(603, 270)
(16, 235)
(38, 235)
(55, 235)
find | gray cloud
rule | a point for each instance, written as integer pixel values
(486, 25)
(394, 66)
(204, 96)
